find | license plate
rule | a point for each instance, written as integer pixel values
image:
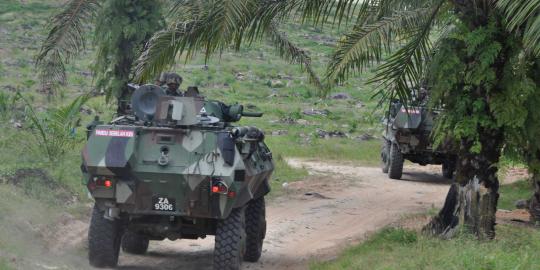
(163, 204)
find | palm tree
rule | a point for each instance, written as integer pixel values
(214, 25)
(493, 44)
(121, 28)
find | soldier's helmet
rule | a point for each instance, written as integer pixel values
(171, 78)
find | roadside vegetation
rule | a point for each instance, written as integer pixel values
(513, 192)
(396, 248)
(514, 247)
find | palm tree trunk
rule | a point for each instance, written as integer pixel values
(534, 202)
(122, 72)
(472, 200)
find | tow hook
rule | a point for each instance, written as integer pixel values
(112, 213)
(164, 158)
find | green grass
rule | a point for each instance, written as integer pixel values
(365, 152)
(509, 194)
(395, 248)
(4, 264)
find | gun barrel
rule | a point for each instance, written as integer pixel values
(252, 114)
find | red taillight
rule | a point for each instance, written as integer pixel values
(107, 183)
(220, 187)
(100, 182)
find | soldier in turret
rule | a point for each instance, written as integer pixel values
(172, 83)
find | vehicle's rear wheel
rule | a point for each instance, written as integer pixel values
(230, 241)
(135, 243)
(103, 240)
(395, 166)
(448, 168)
(255, 229)
(385, 154)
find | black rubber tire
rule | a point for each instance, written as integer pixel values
(448, 169)
(104, 238)
(230, 241)
(134, 243)
(395, 168)
(385, 153)
(255, 229)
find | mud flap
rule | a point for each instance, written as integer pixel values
(227, 147)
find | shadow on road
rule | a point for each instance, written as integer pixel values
(167, 260)
(200, 260)
(426, 177)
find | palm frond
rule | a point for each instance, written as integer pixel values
(314, 11)
(213, 26)
(66, 39)
(525, 15)
(55, 129)
(293, 53)
(368, 43)
(404, 69)
(162, 50)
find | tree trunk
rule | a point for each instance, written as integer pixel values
(472, 200)
(534, 202)
(122, 72)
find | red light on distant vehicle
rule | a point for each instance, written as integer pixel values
(215, 189)
(107, 183)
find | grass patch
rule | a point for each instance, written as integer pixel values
(509, 194)
(4, 264)
(365, 152)
(395, 248)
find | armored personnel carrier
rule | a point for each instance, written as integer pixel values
(177, 169)
(406, 135)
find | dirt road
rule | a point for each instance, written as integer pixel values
(337, 205)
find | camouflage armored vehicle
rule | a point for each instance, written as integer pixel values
(406, 135)
(177, 169)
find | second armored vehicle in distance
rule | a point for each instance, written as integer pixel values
(407, 135)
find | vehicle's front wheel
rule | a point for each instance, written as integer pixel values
(385, 154)
(230, 241)
(255, 229)
(103, 240)
(448, 168)
(395, 167)
(135, 243)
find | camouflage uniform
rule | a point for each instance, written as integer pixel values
(171, 82)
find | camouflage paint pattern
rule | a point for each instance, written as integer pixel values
(144, 162)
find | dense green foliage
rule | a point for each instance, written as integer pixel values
(479, 91)
(514, 248)
(54, 131)
(122, 29)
